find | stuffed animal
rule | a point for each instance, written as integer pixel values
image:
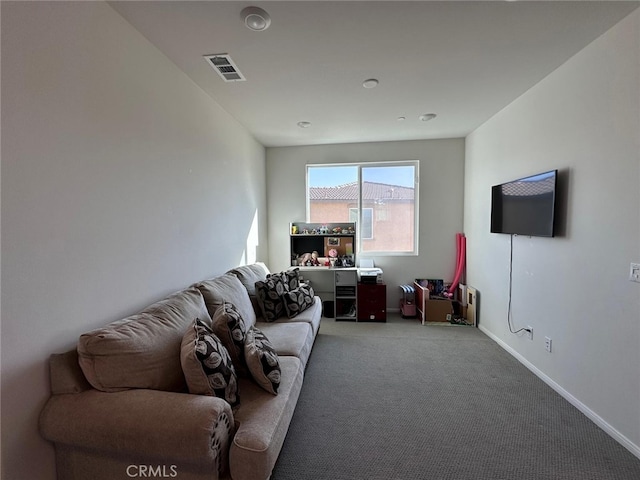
(309, 259)
(304, 258)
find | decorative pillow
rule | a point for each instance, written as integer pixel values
(262, 360)
(206, 364)
(292, 278)
(230, 328)
(270, 291)
(298, 300)
(270, 297)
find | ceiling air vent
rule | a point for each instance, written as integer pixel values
(225, 67)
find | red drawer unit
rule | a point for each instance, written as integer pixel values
(372, 302)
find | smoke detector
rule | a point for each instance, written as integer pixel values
(226, 68)
(370, 83)
(427, 116)
(255, 18)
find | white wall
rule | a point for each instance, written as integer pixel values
(441, 202)
(121, 182)
(585, 120)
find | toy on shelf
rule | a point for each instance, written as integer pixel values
(333, 243)
(309, 259)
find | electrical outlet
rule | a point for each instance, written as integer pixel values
(634, 272)
(547, 344)
(529, 332)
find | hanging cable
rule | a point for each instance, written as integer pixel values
(524, 329)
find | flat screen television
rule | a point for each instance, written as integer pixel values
(526, 206)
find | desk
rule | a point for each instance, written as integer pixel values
(341, 286)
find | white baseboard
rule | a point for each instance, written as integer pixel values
(595, 418)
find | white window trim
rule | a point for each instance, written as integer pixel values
(361, 220)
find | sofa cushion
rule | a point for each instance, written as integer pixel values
(207, 365)
(289, 338)
(143, 350)
(229, 327)
(65, 373)
(262, 360)
(248, 276)
(227, 288)
(298, 300)
(263, 421)
(312, 316)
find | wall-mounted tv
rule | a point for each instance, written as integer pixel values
(526, 206)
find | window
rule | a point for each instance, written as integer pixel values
(381, 198)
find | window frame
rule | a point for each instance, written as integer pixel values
(363, 165)
(360, 219)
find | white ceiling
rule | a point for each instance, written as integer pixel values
(464, 61)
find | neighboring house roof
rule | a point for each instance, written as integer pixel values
(370, 191)
(529, 188)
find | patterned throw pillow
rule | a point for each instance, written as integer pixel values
(230, 328)
(270, 291)
(262, 360)
(292, 278)
(206, 364)
(298, 300)
(269, 298)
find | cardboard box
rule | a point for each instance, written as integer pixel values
(430, 309)
(472, 306)
(436, 310)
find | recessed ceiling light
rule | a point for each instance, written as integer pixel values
(427, 116)
(402, 119)
(255, 18)
(304, 124)
(370, 83)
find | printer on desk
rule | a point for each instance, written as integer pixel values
(368, 273)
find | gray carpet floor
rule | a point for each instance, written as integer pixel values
(400, 401)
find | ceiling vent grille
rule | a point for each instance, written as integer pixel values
(225, 67)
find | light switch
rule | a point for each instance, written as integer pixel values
(634, 272)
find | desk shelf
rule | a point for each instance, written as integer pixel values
(322, 238)
(346, 294)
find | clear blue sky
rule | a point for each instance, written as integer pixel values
(332, 176)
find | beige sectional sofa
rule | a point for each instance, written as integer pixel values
(120, 406)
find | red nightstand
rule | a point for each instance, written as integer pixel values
(372, 302)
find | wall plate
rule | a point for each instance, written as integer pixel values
(634, 272)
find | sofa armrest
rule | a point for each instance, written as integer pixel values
(142, 424)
